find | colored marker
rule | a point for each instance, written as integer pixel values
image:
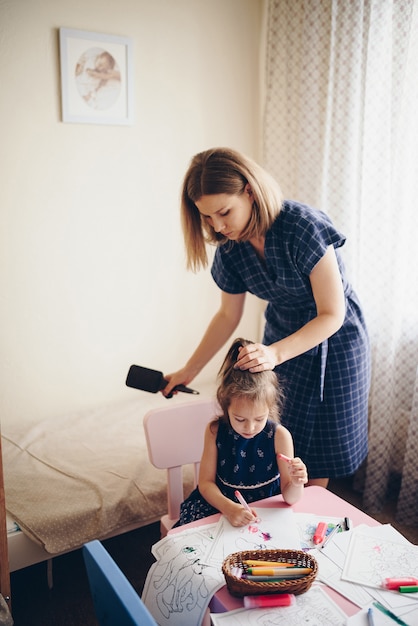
(237, 571)
(320, 533)
(333, 532)
(395, 583)
(386, 611)
(408, 588)
(347, 523)
(242, 501)
(370, 618)
(277, 599)
(268, 563)
(278, 571)
(284, 457)
(272, 579)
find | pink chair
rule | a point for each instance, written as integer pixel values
(174, 436)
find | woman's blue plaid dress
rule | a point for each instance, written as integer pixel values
(326, 388)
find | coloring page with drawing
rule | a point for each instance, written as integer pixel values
(313, 608)
(274, 529)
(179, 586)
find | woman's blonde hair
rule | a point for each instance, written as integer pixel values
(222, 170)
(256, 387)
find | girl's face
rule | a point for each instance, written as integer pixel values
(247, 418)
(227, 214)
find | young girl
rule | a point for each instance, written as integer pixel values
(242, 446)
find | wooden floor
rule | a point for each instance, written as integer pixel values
(69, 602)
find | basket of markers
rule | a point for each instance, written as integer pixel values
(255, 572)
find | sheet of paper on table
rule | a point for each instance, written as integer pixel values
(367, 563)
(179, 586)
(274, 529)
(314, 607)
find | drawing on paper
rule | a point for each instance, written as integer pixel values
(314, 608)
(370, 559)
(274, 529)
(179, 585)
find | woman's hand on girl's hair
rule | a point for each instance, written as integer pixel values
(256, 357)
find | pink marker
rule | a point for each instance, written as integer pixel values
(277, 599)
(242, 501)
(320, 532)
(395, 583)
(284, 457)
(245, 504)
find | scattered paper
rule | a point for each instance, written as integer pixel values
(314, 607)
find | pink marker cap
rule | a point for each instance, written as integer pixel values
(276, 599)
(395, 583)
(320, 533)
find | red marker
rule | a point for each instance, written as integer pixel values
(395, 583)
(277, 599)
(321, 531)
(284, 457)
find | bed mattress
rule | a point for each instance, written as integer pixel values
(83, 476)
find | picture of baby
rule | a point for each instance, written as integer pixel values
(98, 78)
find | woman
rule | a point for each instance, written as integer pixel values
(315, 336)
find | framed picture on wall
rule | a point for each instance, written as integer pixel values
(96, 78)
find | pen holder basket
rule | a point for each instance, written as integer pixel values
(242, 587)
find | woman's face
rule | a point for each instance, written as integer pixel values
(247, 418)
(227, 214)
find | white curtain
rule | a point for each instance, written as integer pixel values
(340, 132)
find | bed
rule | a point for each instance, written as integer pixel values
(80, 477)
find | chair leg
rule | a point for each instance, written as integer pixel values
(49, 574)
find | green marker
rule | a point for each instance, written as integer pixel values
(386, 611)
(409, 589)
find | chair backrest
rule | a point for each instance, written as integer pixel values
(175, 436)
(115, 600)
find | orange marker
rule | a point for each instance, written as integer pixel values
(280, 572)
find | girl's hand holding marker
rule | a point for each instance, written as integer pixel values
(284, 457)
(297, 469)
(246, 506)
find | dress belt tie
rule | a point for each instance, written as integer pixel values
(324, 355)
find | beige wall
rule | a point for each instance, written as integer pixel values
(92, 262)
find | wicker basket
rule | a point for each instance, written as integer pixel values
(242, 587)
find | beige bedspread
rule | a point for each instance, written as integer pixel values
(82, 476)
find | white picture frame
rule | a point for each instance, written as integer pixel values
(96, 78)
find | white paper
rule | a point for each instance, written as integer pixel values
(380, 619)
(330, 574)
(307, 524)
(274, 529)
(372, 557)
(313, 608)
(179, 586)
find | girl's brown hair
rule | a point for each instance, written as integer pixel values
(222, 170)
(259, 386)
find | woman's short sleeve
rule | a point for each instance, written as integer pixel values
(226, 269)
(309, 232)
